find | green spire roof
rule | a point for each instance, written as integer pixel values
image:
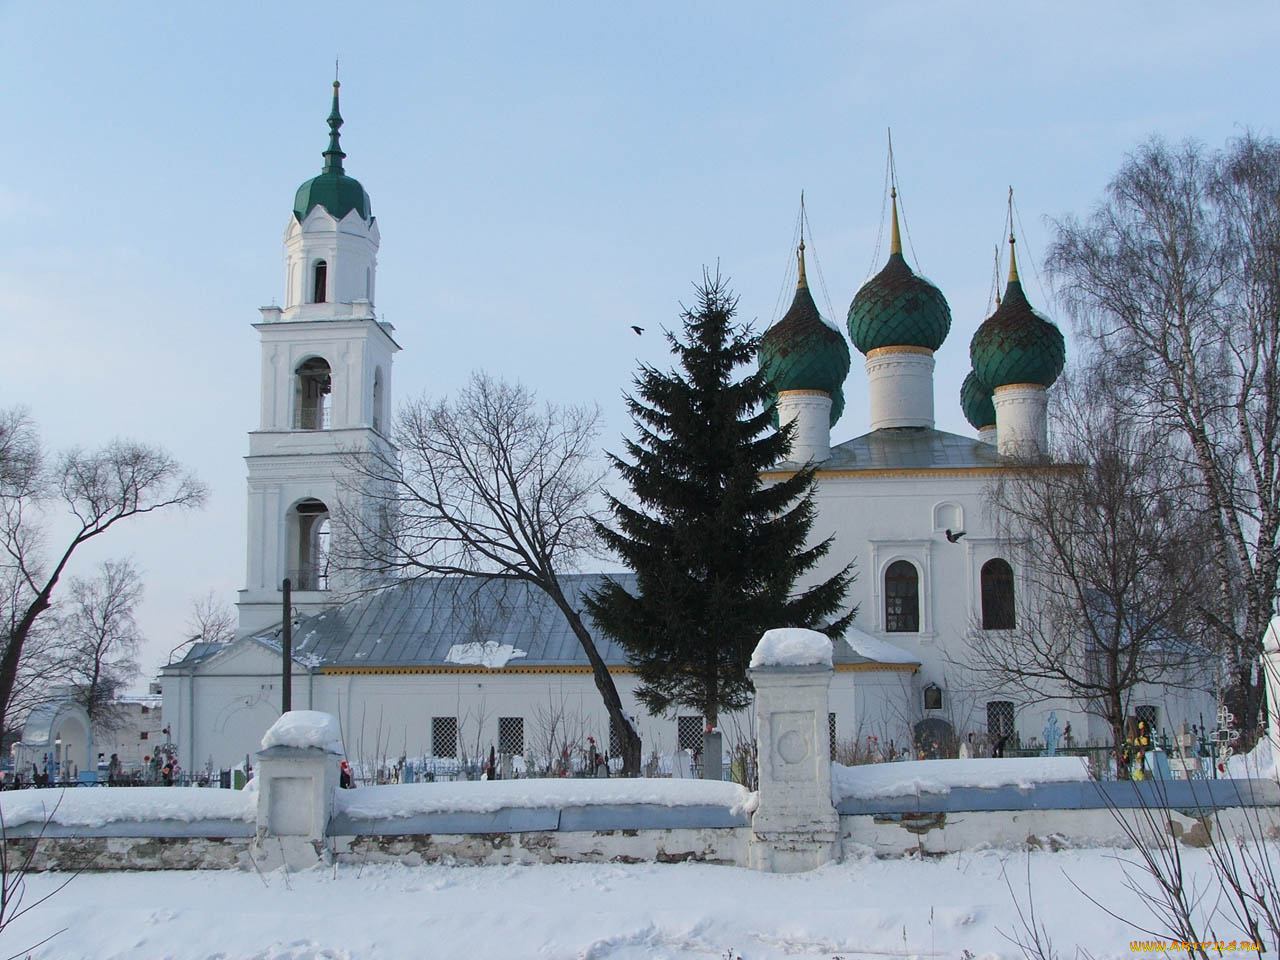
(333, 189)
(803, 352)
(975, 401)
(895, 308)
(1016, 344)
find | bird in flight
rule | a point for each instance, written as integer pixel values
(638, 330)
(953, 537)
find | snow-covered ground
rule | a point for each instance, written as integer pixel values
(866, 908)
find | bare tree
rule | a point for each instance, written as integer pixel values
(94, 490)
(1107, 555)
(488, 486)
(211, 620)
(99, 638)
(1175, 278)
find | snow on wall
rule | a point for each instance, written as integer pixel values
(481, 796)
(940, 776)
(305, 728)
(792, 647)
(97, 806)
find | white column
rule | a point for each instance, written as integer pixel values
(901, 387)
(988, 435)
(810, 410)
(1022, 419)
(795, 827)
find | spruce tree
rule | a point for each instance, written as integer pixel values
(715, 550)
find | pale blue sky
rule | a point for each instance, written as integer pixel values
(544, 176)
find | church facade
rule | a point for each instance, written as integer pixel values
(439, 669)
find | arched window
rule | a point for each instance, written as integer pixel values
(310, 549)
(319, 282)
(997, 595)
(901, 598)
(312, 391)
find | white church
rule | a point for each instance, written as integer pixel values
(441, 669)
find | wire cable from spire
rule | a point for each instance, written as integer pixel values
(995, 281)
(1044, 295)
(786, 286)
(807, 225)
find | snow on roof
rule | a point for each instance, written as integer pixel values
(792, 647)
(940, 776)
(873, 648)
(484, 796)
(490, 653)
(305, 728)
(95, 807)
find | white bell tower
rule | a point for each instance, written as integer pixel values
(326, 388)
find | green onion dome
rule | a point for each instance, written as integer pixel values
(1016, 344)
(333, 189)
(803, 352)
(896, 308)
(975, 401)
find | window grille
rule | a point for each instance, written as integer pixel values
(1149, 714)
(901, 598)
(444, 736)
(1000, 718)
(511, 735)
(831, 733)
(997, 595)
(689, 733)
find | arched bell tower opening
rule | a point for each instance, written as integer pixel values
(309, 545)
(320, 282)
(313, 393)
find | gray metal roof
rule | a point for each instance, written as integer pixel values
(910, 448)
(417, 623)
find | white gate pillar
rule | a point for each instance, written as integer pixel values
(297, 780)
(795, 827)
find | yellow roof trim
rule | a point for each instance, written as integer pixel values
(877, 667)
(461, 668)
